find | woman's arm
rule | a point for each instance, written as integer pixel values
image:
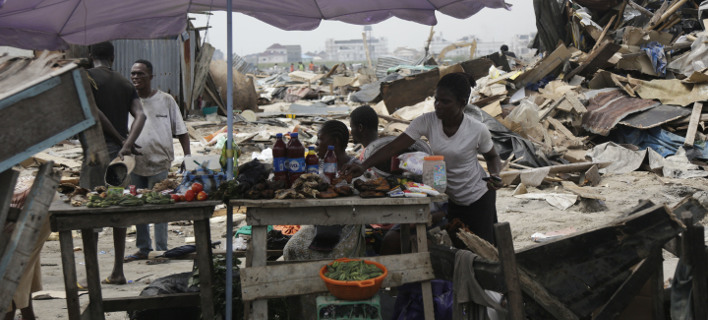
(402, 142)
(494, 167)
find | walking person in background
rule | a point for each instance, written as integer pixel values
(164, 121)
(116, 98)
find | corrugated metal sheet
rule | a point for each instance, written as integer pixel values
(383, 63)
(242, 66)
(606, 109)
(164, 54)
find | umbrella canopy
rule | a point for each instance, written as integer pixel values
(53, 24)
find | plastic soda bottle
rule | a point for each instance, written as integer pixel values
(330, 164)
(280, 172)
(296, 158)
(312, 161)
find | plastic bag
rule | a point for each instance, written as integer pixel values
(210, 180)
(412, 162)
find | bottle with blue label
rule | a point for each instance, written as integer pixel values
(312, 161)
(280, 172)
(296, 158)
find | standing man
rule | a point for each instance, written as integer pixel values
(164, 121)
(115, 98)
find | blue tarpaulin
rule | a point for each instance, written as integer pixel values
(661, 141)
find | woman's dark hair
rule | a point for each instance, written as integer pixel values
(459, 84)
(102, 51)
(337, 130)
(365, 116)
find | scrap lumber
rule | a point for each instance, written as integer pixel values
(556, 59)
(585, 270)
(667, 14)
(693, 124)
(561, 168)
(201, 70)
(17, 252)
(529, 286)
(598, 59)
(583, 192)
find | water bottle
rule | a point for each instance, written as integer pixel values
(330, 164)
(435, 173)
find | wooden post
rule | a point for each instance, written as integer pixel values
(66, 242)
(95, 309)
(425, 286)
(259, 241)
(657, 287)
(507, 257)
(695, 255)
(366, 47)
(8, 179)
(693, 124)
(206, 293)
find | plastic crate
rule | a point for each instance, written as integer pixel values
(331, 308)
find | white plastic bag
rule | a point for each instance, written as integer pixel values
(412, 162)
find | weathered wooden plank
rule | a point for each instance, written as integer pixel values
(27, 228)
(558, 57)
(530, 287)
(258, 243)
(598, 59)
(425, 286)
(409, 90)
(8, 179)
(175, 300)
(66, 243)
(303, 277)
(204, 261)
(693, 124)
(334, 202)
(201, 70)
(92, 274)
(323, 215)
(502, 233)
(631, 286)
(25, 121)
(116, 216)
(695, 254)
(591, 177)
(584, 270)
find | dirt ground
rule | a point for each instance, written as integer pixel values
(526, 217)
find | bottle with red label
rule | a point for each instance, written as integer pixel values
(280, 172)
(312, 161)
(296, 158)
(330, 164)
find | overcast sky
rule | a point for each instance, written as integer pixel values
(250, 35)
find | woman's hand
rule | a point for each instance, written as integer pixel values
(494, 182)
(353, 169)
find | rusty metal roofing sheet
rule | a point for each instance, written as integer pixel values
(655, 117)
(606, 109)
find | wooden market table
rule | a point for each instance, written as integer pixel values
(65, 218)
(260, 282)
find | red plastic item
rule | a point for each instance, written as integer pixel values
(354, 290)
(280, 170)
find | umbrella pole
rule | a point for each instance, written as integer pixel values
(230, 162)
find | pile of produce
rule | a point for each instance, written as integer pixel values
(352, 271)
(104, 200)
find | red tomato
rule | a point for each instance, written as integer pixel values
(197, 187)
(201, 196)
(175, 197)
(182, 198)
(189, 195)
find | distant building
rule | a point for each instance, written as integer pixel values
(354, 50)
(407, 53)
(488, 47)
(276, 53)
(294, 53)
(520, 44)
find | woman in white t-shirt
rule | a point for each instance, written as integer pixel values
(459, 138)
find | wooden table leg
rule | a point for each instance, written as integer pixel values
(405, 238)
(92, 274)
(206, 292)
(425, 286)
(258, 242)
(69, 266)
